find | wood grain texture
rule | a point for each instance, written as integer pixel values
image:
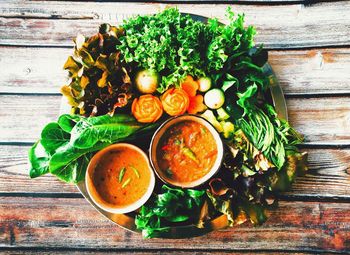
(32, 70)
(23, 117)
(318, 71)
(14, 176)
(49, 222)
(323, 120)
(133, 252)
(328, 176)
(56, 23)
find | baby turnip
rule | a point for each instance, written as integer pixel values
(204, 84)
(147, 81)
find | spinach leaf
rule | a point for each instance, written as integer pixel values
(53, 137)
(74, 171)
(171, 206)
(68, 121)
(88, 131)
(38, 160)
(247, 99)
(67, 153)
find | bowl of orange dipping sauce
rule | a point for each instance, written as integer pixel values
(119, 178)
(186, 151)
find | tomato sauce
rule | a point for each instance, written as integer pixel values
(187, 152)
(121, 177)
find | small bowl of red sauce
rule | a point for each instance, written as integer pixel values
(119, 179)
(186, 151)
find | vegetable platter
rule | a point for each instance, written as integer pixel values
(127, 84)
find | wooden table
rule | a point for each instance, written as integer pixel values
(309, 50)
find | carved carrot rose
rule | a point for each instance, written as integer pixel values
(147, 108)
(175, 101)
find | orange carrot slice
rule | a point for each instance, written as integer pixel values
(196, 105)
(190, 86)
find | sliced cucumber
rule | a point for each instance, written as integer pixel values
(209, 116)
(228, 128)
(222, 114)
(214, 98)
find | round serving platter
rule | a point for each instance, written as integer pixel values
(127, 221)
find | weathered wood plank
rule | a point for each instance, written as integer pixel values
(328, 175)
(299, 71)
(14, 176)
(32, 70)
(32, 222)
(323, 120)
(226, 1)
(297, 28)
(23, 115)
(318, 71)
(133, 252)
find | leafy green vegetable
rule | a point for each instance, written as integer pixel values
(170, 206)
(269, 134)
(99, 82)
(53, 136)
(247, 100)
(72, 172)
(39, 160)
(167, 43)
(68, 121)
(183, 46)
(248, 181)
(68, 154)
(228, 42)
(66, 147)
(88, 131)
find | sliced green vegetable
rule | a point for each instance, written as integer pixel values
(214, 98)
(190, 154)
(209, 116)
(126, 183)
(177, 142)
(168, 172)
(121, 174)
(228, 128)
(222, 114)
(135, 171)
